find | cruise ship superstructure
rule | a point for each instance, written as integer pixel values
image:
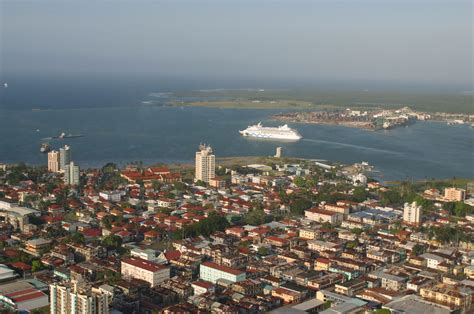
(283, 132)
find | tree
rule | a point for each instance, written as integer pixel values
(418, 249)
(299, 182)
(351, 244)
(36, 266)
(461, 209)
(255, 217)
(298, 206)
(75, 237)
(179, 186)
(390, 197)
(109, 167)
(357, 231)
(157, 185)
(112, 242)
(201, 183)
(263, 251)
(449, 206)
(214, 222)
(360, 194)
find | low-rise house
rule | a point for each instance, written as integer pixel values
(212, 272)
(322, 215)
(154, 274)
(456, 297)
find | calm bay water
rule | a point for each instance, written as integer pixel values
(172, 134)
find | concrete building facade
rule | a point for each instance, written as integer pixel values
(412, 214)
(205, 164)
(53, 161)
(153, 273)
(212, 272)
(73, 299)
(71, 174)
(64, 156)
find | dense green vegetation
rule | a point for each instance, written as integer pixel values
(299, 99)
(214, 222)
(447, 234)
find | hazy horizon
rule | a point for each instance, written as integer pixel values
(362, 44)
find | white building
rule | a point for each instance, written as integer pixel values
(53, 161)
(201, 287)
(146, 254)
(64, 157)
(15, 215)
(359, 179)
(278, 153)
(319, 246)
(113, 196)
(166, 202)
(6, 273)
(322, 215)
(454, 194)
(78, 299)
(412, 214)
(205, 164)
(134, 267)
(432, 260)
(71, 174)
(212, 272)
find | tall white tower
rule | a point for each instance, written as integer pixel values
(53, 161)
(64, 157)
(71, 174)
(205, 163)
(412, 214)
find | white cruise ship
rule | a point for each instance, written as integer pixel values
(279, 133)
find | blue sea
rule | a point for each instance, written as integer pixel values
(126, 121)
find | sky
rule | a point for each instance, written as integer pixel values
(422, 41)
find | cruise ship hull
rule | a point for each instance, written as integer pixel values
(282, 133)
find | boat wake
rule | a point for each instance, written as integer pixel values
(352, 146)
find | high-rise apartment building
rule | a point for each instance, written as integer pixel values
(78, 299)
(454, 194)
(64, 156)
(412, 214)
(53, 161)
(71, 174)
(205, 164)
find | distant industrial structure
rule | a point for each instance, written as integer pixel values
(278, 153)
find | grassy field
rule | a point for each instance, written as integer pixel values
(304, 99)
(252, 104)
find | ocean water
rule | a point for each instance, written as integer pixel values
(122, 122)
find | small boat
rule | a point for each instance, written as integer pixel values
(64, 135)
(45, 147)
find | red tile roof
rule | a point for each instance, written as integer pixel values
(25, 295)
(92, 232)
(21, 265)
(203, 284)
(225, 269)
(143, 264)
(172, 255)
